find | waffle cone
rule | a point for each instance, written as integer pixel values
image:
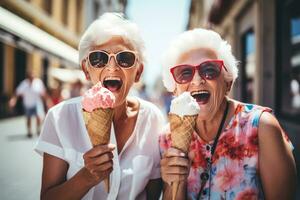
(174, 189)
(182, 129)
(98, 124)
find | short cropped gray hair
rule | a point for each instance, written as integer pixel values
(106, 27)
(197, 39)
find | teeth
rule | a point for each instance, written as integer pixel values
(112, 78)
(200, 92)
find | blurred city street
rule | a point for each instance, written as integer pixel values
(20, 168)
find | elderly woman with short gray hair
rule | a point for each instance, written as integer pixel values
(111, 51)
(238, 150)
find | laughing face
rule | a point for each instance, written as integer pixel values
(209, 94)
(115, 78)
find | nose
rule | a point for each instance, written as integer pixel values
(112, 64)
(197, 79)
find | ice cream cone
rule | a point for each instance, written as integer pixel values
(182, 129)
(174, 189)
(98, 124)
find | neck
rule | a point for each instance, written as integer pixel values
(125, 110)
(120, 112)
(207, 129)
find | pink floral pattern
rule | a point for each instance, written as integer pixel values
(234, 170)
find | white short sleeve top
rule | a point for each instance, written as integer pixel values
(64, 135)
(31, 92)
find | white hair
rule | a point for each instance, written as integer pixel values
(198, 39)
(106, 27)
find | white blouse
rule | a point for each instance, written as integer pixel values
(64, 135)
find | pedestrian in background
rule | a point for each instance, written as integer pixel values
(32, 91)
(238, 150)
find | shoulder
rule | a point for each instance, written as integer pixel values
(23, 83)
(269, 124)
(69, 105)
(271, 135)
(250, 113)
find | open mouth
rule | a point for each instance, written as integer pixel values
(113, 83)
(201, 97)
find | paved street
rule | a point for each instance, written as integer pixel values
(20, 167)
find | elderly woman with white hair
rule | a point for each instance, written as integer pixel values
(238, 150)
(111, 51)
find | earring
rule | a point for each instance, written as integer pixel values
(87, 76)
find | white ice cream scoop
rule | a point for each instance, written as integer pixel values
(184, 105)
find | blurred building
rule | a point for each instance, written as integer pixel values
(42, 36)
(265, 37)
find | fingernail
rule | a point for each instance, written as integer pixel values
(112, 146)
(182, 154)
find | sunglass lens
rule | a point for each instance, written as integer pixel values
(210, 70)
(98, 59)
(125, 59)
(183, 74)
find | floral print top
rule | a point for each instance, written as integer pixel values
(234, 170)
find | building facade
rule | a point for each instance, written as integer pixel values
(265, 37)
(42, 36)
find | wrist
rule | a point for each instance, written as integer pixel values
(88, 180)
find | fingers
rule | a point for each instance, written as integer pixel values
(175, 161)
(103, 167)
(99, 150)
(175, 166)
(177, 171)
(174, 152)
(96, 161)
(169, 178)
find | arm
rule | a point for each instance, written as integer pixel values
(276, 162)
(153, 189)
(98, 165)
(54, 184)
(174, 168)
(13, 100)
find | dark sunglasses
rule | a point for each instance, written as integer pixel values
(100, 59)
(208, 70)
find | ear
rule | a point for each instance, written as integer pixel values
(83, 67)
(139, 73)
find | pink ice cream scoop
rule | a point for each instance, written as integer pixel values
(97, 97)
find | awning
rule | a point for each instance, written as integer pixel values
(67, 75)
(23, 29)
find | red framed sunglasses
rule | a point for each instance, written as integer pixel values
(208, 70)
(100, 59)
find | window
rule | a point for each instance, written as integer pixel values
(65, 4)
(47, 6)
(20, 75)
(289, 63)
(96, 9)
(248, 66)
(1, 66)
